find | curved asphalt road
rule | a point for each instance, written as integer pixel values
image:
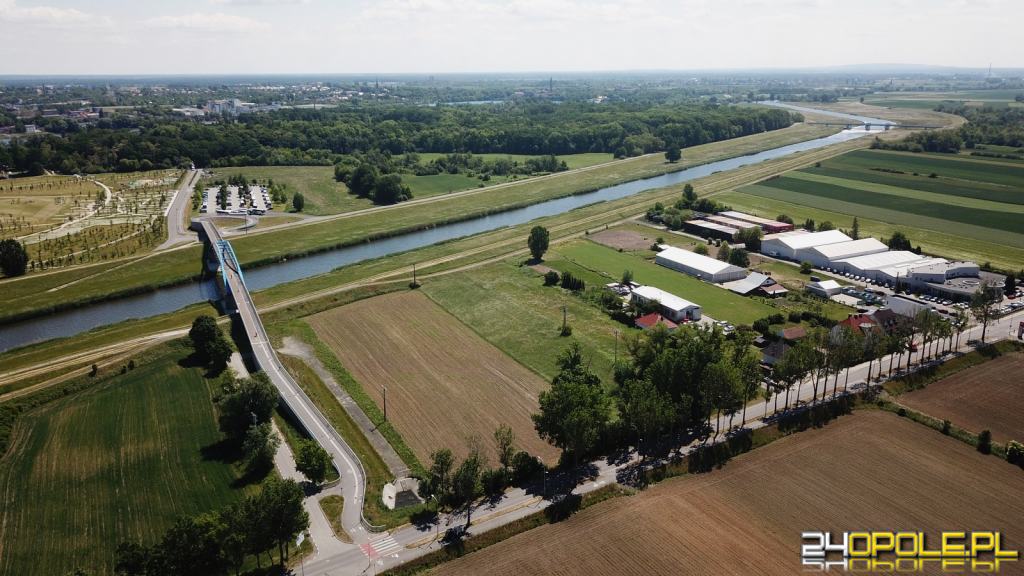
(353, 478)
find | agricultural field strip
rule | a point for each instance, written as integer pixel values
(74, 488)
(449, 376)
(970, 223)
(971, 169)
(940, 242)
(987, 396)
(811, 175)
(946, 186)
(746, 518)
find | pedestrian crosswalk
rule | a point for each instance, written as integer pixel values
(381, 546)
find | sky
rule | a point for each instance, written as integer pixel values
(444, 36)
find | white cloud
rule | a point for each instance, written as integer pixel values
(208, 22)
(11, 12)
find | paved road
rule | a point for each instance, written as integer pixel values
(177, 229)
(353, 478)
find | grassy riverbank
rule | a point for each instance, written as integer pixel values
(37, 295)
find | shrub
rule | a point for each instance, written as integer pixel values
(131, 364)
(565, 331)
(525, 467)
(985, 442)
(806, 267)
(551, 278)
(570, 282)
(95, 370)
(902, 412)
(1015, 452)
(795, 316)
(493, 481)
(946, 427)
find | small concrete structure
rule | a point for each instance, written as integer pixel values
(401, 493)
(825, 288)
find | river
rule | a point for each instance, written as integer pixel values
(84, 318)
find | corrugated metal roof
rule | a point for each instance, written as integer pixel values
(851, 249)
(696, 261)
(811, 239)
(667, 299)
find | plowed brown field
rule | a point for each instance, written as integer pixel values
(988, 396)
(444, 383)
(869, 471)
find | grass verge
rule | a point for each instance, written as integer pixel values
(332, 506)
(925, 376)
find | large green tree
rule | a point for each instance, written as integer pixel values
(247, 402)
(13, 257)
(313, 461)
(575, 410)
(538, 242)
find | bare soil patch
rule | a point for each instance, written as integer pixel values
(988, 396)
(623, 239)
(869, 471)
(444, 383)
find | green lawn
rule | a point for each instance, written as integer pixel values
(715, 301)
(120, 461)
(509, 307)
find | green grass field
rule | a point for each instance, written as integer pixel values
(715, 301)
(509, 307)
(120, 461)
(326, 196)
(972, 208)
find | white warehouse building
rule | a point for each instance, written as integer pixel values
(673, 307)
(703, 267)
(884, 266)
(823, 256)
(788, 244)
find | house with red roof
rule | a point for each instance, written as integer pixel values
(648, 321)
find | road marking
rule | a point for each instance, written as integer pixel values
(381, 546)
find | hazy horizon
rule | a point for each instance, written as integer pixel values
(407, 37)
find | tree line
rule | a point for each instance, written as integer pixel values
(985, 125)
(323, 136)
